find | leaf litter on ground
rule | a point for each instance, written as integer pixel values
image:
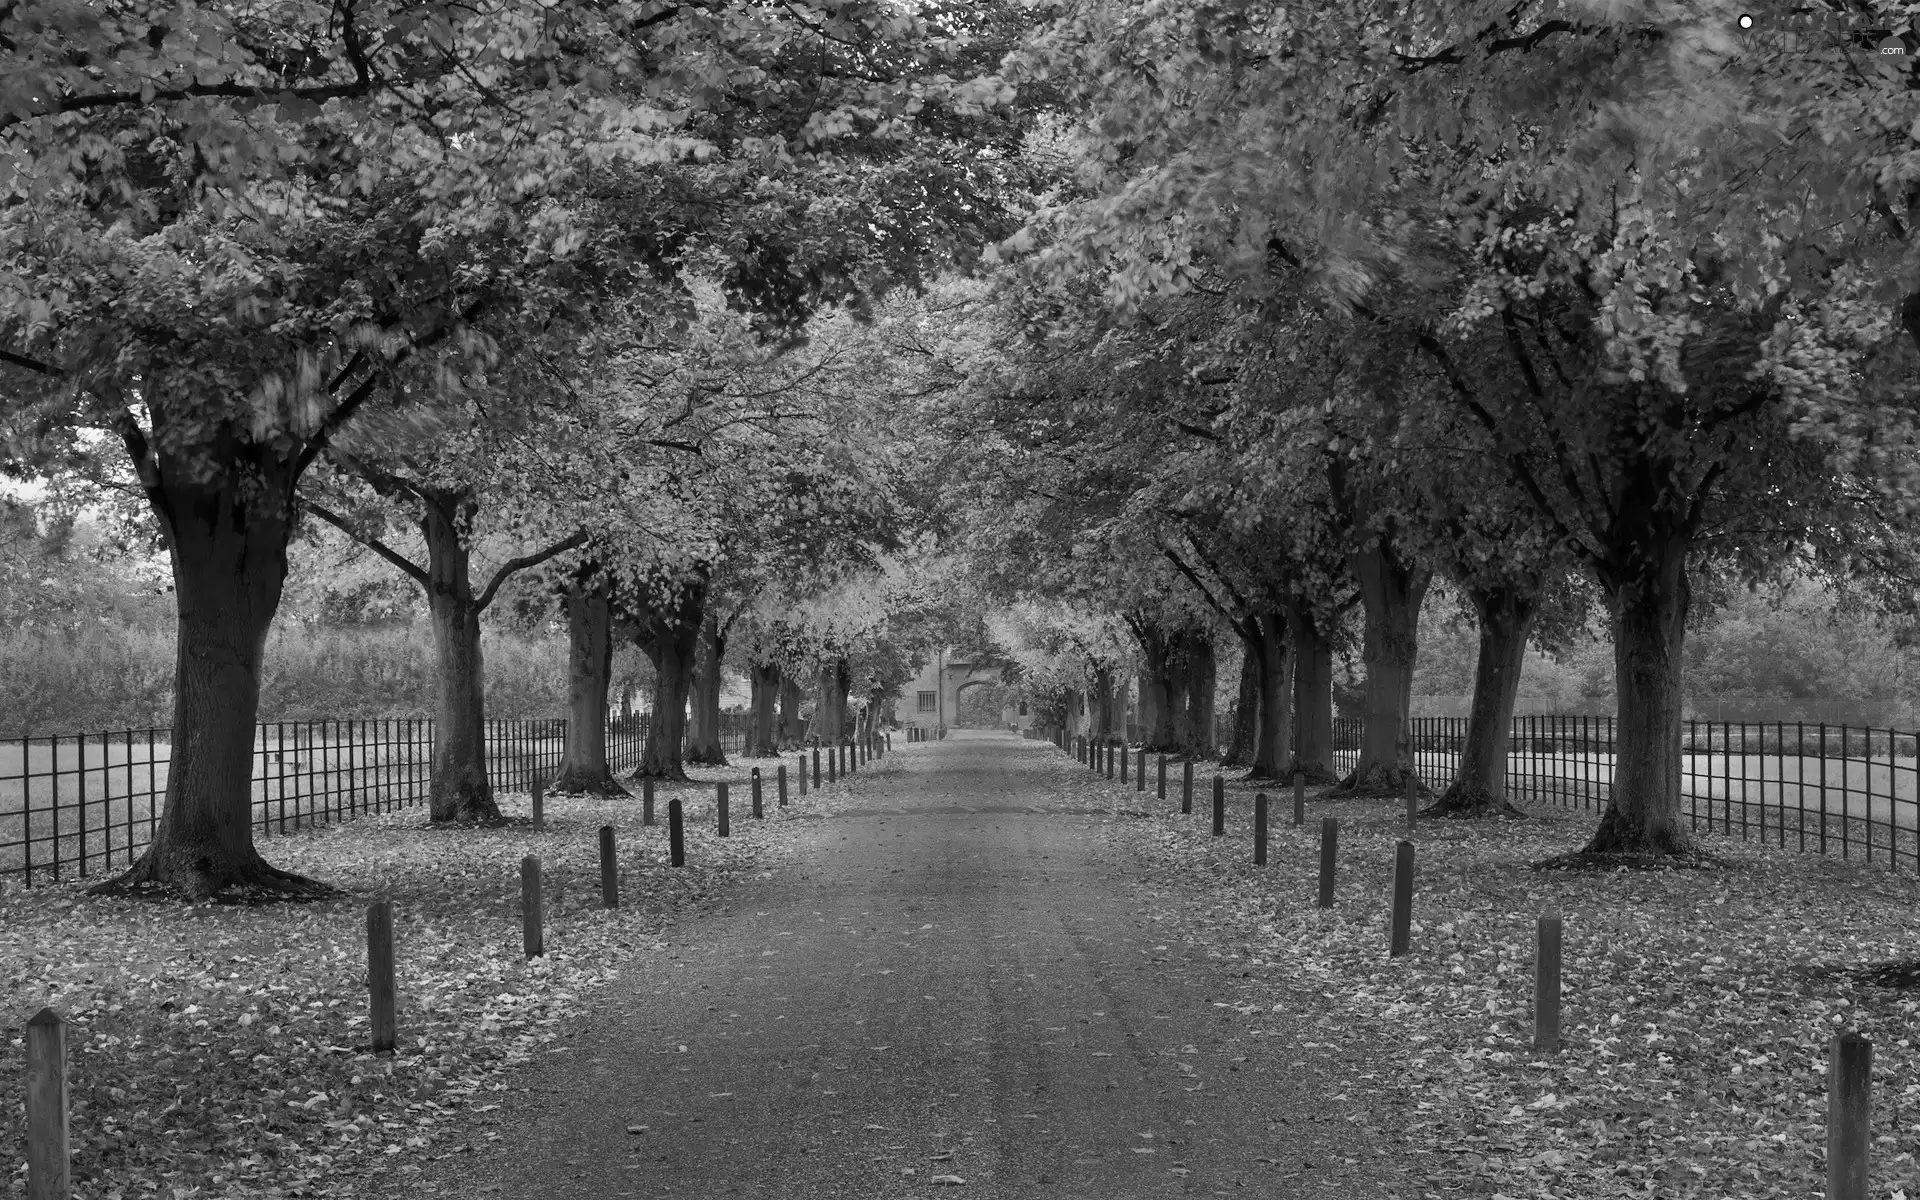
(224, 1050)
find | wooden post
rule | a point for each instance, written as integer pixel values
(539, 804)
(803, 772)
(609, 870)
(1400, 928)
(1186, 786)
(1329, 841)
(1122, 749)
(1163, 777)
(1546, 983)
(756, 794)
(1259, 829)
(1299, 797)
(1219, 806)
(48, 1154)
(782, 782)
(720, 806)
(530, 907)
(646, 801)
(1140, 774)
(380, 995)
(1112, 753)
(1849, 1115)
(833, 763)
(676, 835)
(816, 766)
(1413, 801)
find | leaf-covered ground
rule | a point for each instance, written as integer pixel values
(1697, 1005)
(223, 1051)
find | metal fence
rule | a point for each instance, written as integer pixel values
(1827, 788)
(89, 804)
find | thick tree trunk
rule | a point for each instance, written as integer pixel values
(1643, 814)
(791, 724)
(830, 722)
(1480, 786)
(1274, 679)
(228, 546)
(584, 769)
(1100, 701)
(671, 639)
(703, 727)
(1312, 695)
(1197, 677)
(1246, 711)
(764, 680)
(459, 790)
(1390, 594)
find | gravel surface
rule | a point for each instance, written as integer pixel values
(945, 975)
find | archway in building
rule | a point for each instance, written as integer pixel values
(980, 704)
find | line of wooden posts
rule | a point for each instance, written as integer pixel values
(1849, 1055)
(48, 1155)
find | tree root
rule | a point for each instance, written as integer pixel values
(1619, 860)
(1461, 803)
(1384, 783)
(253, 884)
(587, 783)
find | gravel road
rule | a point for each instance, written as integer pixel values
(945, 977)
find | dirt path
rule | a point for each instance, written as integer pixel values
(943, 975)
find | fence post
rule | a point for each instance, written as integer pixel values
(1400, 931)
(380, 997)
(1219, 806)
(48, 1155)
(1329, 839)
(609, 870)
(1546, 983)
(1163, 777)
(1849, 1115)
(530, 907)
(720, 805)
(539, 804)
(1299, 797)
(646, 801)
(1186, 786)
(676, 835)
(782, 782)
(756, 794)
(1259, 829)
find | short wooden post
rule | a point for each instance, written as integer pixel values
(539, 786)
(609, 870)
(757, 814)
(1413, 800)
(646, 801)
(1186, 786)
(1849, 1115)
(380, 996)
(833, 764)
(1546, 983)
(889, 741)
(676, 835)
(1299, 797)
(1140, 772)
(1219, 806)
(1400, 927)
(720, 806)
(1163, 777)
(1329, 841)
(1113, 752)
(803, 772)
(1259, 829)
(530, 907)
(48, 1153)
(816, 766)
(781, 781)
(1124, 756)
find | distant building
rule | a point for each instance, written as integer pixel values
(932, 699)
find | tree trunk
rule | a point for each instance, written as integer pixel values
(228, 546)
(791, 732)
(1100, 701)
(1246, 711)
(1312, 694)
(1480, 786)
(1273, 675)
(1649, 602)
(703, 728)
(459, 790)
(762, 740)
(584, 768)
(1194, 677)
(830, 723)
(1151, 705)
(671, 639)
(1390, 594)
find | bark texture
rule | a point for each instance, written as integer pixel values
(703, 723)
(1273, 677)
(1391, 590)
(1246, 712)
(1480, 787)
(1100, 701)
(763, 678)
(792, 725)
(670, 639)
(583, 768)
(228, 546)
(1312, 694)
(460, 790)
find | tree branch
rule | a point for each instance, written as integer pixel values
(374, 544)
(31, 364)
(523, 562)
